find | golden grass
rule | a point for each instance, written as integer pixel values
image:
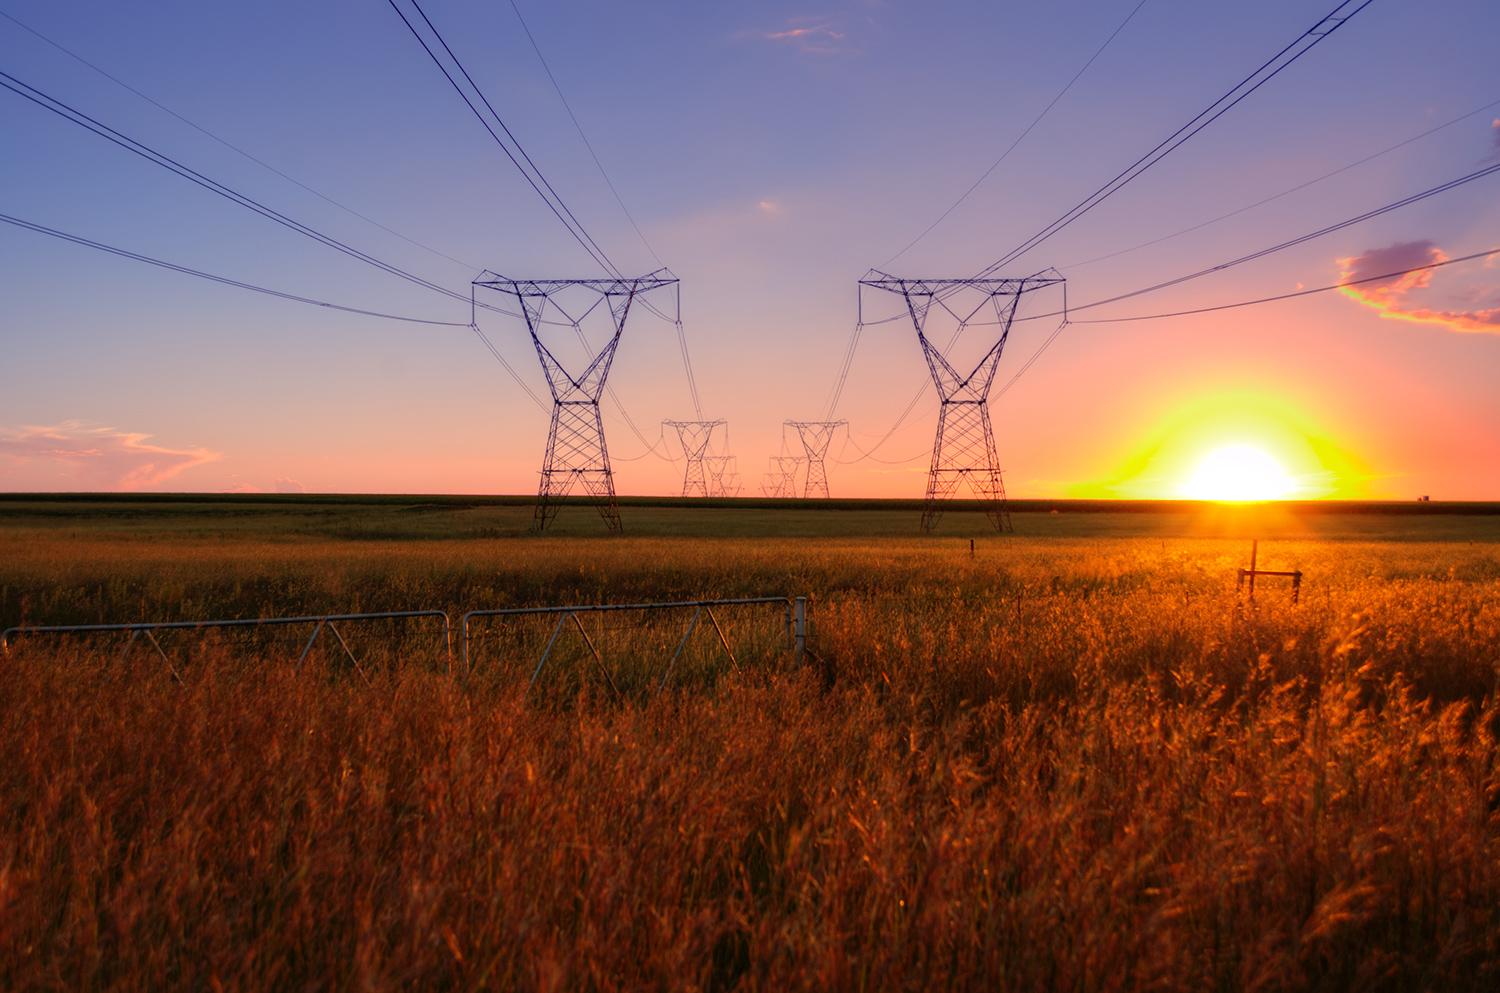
(1079, 765)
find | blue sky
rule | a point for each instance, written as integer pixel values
(770, 154)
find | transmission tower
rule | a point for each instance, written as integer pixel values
(965, 445)
(723, 480)
(816, 436)
(781, 481)
(576, 452)
(696, 438)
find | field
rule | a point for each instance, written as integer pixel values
(1075, 758)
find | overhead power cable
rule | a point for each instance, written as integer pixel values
(848, 361)
(225, 280)
(513, 149)
(1304, 43)
(1299, 293)
(1021, 137)
(232, 147)
(530, 172)
(586, 143)
(167, 162)
(1294, 189)
(1234, 262)
(508, 367)
(1367, 215)
(104, 131)
(174, 267)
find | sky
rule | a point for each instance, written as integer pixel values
(769, 155)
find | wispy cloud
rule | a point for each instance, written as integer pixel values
(814, 35)
(74, 456)
(1494, 155)
(1411, 297)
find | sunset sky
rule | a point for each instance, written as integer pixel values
(770, 154)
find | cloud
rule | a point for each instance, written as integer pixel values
(809, 34)
(1394, 297)
(243, 488)
(1494, 155)
(72, 456)
(288, 485)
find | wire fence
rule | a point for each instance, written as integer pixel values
(320, 623)
(630, 635)
(628, 643)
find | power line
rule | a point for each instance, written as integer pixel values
(1230, 306)
(1245, 258)
(174, 267)
(586, 143)
(1302, 239)
(848, 361)
(1367, 215)
(167, 162)
(530, 172)
(1291, 53)
(509, 368)
(1299, 293)
(232, 147)
(533, 175)
(687, 362)
(1004, 155)
(1294, 189)
(104, 131)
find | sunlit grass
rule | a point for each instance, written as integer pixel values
(1062, 763)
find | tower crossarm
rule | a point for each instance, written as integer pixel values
(964, 449)
(576, 453)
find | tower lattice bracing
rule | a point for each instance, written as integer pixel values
(781, 481)
(576, 451)
(723, 479)
(816, 436)
(696, 438)
(964, 449)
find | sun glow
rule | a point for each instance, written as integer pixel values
(1238, 472)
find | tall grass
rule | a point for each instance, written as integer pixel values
(1066, 765)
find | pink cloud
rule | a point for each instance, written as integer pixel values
(817, 38)
(1494, 155)
(288, 485)
(1393, 297)
(71, 456)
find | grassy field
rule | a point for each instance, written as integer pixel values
(1075, 760)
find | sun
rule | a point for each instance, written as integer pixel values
(1238, 472)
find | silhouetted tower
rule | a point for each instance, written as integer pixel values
(965, 445)
(696, 437)
(723, 480)
(781, 481)
(816, 436)
(576, 452)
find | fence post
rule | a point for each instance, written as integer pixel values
(801, 627)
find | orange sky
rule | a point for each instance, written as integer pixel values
(769, 157)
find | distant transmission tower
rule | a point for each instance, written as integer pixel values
(781, 481)
(576, 452)
(816, 436)
(723, 480)
(696, 437)
(965, 443)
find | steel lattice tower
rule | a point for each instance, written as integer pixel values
(964, 448)
(576, 451)
(816, 436)
(781, 481)
(696, 436)
(723, 481)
